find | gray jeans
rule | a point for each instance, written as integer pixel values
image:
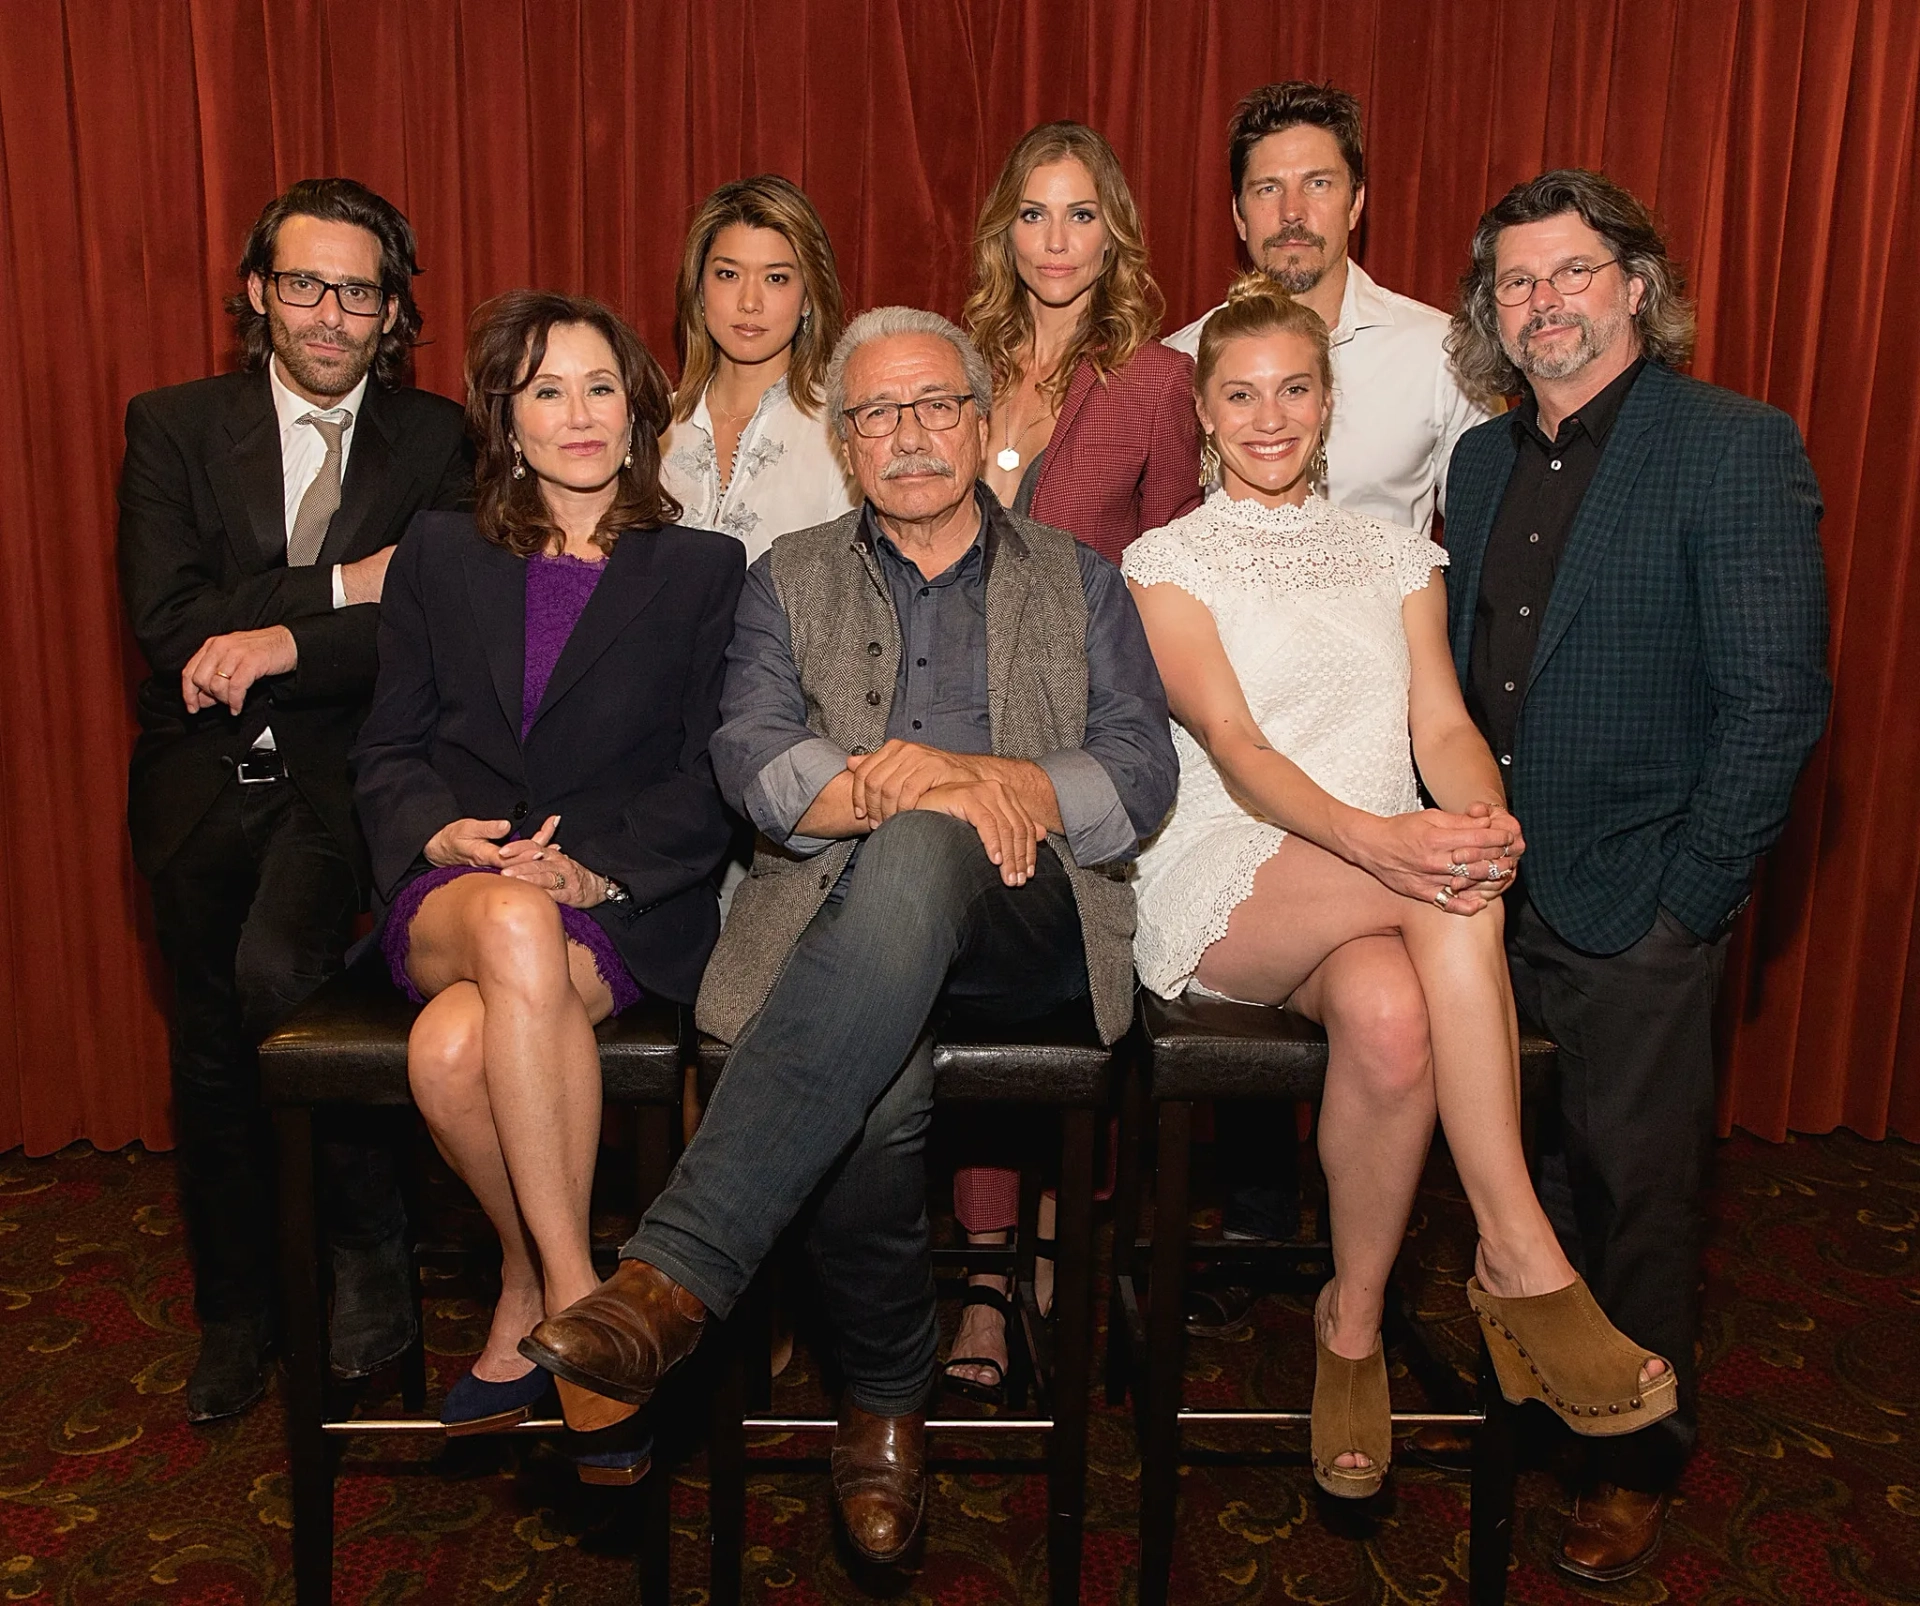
(828, 1093)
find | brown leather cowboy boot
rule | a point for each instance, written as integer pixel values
(623, 1337)
(880, 1479)
(1611, 1533)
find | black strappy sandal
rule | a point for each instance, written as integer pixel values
(994, 1393)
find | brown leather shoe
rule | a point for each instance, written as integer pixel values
(1611, 1533)
(623, 1337)
(880, 1479)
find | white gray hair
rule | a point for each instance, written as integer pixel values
(881, 323)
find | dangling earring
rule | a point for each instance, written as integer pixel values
(627, 461)
(519, 463)
(1317, 468)
(805, 319)
(1209, 461)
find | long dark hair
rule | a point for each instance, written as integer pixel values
(335, 200)
(506, 343)
(1665, 321)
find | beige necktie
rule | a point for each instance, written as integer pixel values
(317, 507)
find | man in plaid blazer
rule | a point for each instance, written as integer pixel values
(1638, 614)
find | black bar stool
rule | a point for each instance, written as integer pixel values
(1055, 1063)
(1195, 1049)
(346, 1046)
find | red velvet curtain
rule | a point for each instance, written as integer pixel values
(565, 142)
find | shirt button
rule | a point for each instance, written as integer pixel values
(916, 724)
(1555, 463)
(873, 649)
(873, 699)
(927, 591)
(1535, 538)
(1509, 685)
(919, 663)
(1506, 758)
(1524, 612)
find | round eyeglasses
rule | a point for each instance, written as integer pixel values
(304, 290)
(1516, 289)
(878, 419)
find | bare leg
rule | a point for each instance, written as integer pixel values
(519, 1119)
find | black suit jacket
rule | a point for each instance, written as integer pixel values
(618, 747)
(203, 551)
(1680, 677)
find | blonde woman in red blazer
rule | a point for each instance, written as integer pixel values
(1093, 432)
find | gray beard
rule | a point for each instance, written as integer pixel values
(1595, 337)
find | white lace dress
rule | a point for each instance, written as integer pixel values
(1307, 603)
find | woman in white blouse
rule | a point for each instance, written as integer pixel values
(750, 452)
(1304, 651)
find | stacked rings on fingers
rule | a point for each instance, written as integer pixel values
(1443, 897)
(1494, 872)
(1461, 871)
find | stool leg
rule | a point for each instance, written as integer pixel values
(652, 1152)
(1490, 1519)
(1126, 1220)
(1072, 1355)
(654, 1574)
(1166, 1355)
(413, 1364)
(310, 1454)
(727, 1472)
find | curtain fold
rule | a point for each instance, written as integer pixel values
(565, 143)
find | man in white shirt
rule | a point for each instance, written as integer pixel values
(1298, 169)
(257, 514)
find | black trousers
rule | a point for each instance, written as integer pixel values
(253, 913)
(1625, 1159)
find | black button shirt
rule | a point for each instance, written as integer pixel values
(1543, 496)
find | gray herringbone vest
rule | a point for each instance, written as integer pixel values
(846, 644)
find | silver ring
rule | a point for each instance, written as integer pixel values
(1494, 872)
(1443, 897)
(1461, 871)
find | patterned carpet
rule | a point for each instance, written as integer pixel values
(1807, 1489)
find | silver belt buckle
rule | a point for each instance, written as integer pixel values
(260, 769)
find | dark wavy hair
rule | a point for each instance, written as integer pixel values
(335, 200)
(1665, 320)
(506, 343)
(1274, 108)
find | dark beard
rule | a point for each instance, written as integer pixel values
(1296, 281)
(321, 378)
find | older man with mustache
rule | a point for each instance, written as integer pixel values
(946, 723)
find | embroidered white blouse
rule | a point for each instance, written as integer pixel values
(786, 473)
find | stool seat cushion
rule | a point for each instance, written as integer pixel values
(1209, 1048)
(347, 1044)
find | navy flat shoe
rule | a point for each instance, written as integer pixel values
(473, 1405)
(614, 1457)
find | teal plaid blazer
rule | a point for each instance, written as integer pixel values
(1680, 677)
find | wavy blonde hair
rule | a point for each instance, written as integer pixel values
(766, 201)
(1124, 307)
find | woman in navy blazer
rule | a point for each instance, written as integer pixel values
(1094, 432)
(550, 672)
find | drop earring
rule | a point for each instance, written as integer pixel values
(519, 463)
(1317, 468)
(1209, 461)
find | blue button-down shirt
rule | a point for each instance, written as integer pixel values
(1112, 791)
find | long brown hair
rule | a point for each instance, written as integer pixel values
(766, 201)
(1124, 306)
(506, 343)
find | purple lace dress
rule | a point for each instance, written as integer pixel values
(557, 593)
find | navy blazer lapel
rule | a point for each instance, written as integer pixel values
(1603, 507)
(1467, 535)
(631, 580)
(248, 480)
(497, 594)
(370, 481)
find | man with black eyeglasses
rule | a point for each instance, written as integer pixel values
(258, 510)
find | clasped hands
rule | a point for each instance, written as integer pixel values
(1461, 862)
(898, 777)
(534, 859)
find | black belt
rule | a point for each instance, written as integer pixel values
(260, 767)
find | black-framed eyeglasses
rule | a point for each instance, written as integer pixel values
(878, 419)
(1517, 288)
(304, 290)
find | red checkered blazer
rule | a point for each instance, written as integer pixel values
(1125, 455)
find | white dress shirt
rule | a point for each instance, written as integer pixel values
(303, 450)
(787, 473)
(1397, 407)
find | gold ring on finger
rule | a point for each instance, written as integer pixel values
(224, 674)
(559, 881)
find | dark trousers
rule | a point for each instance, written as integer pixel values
(1625, 1159)
(253, 913)
(828, 1093)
